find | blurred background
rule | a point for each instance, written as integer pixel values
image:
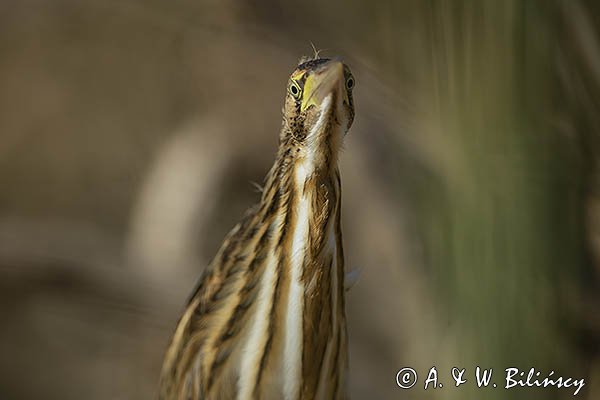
(131, 132)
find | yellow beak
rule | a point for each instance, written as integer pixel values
(322, 83)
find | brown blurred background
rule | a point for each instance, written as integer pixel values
(130, 133)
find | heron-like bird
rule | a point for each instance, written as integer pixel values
(267, 319)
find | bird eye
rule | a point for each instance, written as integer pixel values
(295, 89)
(350, 83)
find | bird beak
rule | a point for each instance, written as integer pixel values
(322, 83)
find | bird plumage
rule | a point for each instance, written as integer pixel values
(267, 318)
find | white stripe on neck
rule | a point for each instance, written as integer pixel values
(292, 352)
(255, 346)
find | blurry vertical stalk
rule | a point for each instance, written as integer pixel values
(502, 224)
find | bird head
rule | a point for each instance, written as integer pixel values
(319, 100)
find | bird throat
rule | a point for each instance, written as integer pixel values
(319, 149)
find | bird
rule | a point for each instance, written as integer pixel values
(267, 318)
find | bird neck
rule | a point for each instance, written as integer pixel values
(313, 151)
